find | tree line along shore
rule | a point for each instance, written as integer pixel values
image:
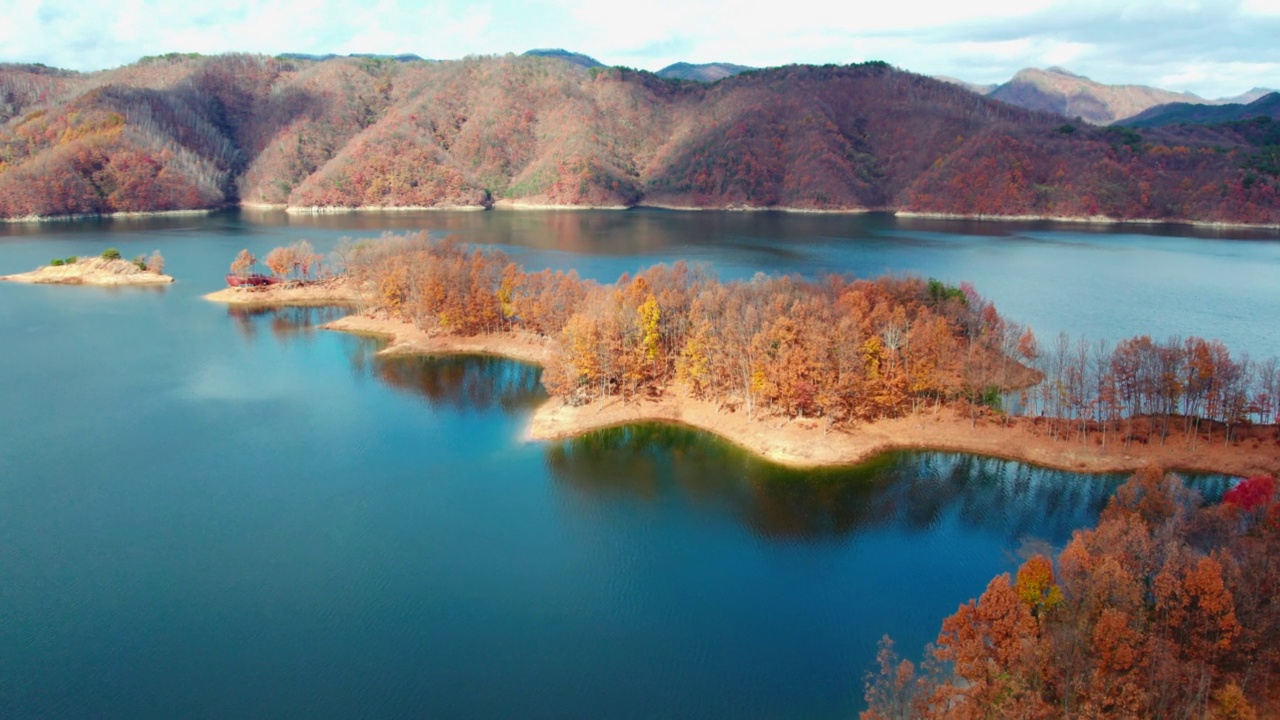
(805, 372)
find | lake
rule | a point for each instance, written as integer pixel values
(217, 513)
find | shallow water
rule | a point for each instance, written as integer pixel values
(220, 513)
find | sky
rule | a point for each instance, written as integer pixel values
(1214, 49)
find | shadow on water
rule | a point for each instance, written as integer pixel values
(461, 383)
(909, 491)
(464, 383)
(283, 323)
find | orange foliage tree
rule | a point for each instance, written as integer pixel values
(1166, 609)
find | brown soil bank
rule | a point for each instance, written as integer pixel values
(91, 271)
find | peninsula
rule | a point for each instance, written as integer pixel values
(643, 351)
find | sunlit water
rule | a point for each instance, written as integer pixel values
(208, 513)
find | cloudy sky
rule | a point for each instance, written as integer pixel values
(1211, 48)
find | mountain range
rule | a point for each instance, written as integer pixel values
(700, 72)
(1266, 106)
(1075, 96)
(183, 131)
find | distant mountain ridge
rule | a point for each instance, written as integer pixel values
(578, 59)
(704, 72)
(1065, 93)
(1186, 113)
(404, 57)
(980, 88)
(1059, 91)
(182, 131)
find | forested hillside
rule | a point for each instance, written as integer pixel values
(1183, 113)
(1167, 609)
(195, 132)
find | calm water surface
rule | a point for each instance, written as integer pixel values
(207, 513)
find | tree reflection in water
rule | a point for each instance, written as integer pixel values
(284, 323)
(465, 382)
(912, 491)
(459, 382)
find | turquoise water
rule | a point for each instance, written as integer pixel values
(206, 513)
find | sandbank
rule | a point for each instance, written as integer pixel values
(91, 271)
(405, 338)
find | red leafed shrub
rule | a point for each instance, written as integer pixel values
(1252, 493)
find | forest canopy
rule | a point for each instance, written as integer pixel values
(182, 131)
(836, 348)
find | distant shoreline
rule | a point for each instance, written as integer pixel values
(799, 443)
(1084, 220)
(108, 216)
(375, 209)
(516, 205)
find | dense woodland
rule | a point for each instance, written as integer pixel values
(837, 349)
(186, 131)
(1167, 609)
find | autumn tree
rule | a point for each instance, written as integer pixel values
(1165, 609)
(243, 263)
(155, 262)
(280, 261)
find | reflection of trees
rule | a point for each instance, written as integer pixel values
(284, 323)
(464, 382)
(912, 491)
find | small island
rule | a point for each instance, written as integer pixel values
(804, 374)
(108, 269)
(299, 277)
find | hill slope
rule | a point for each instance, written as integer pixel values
(191, 132)
(1058, 91)
(704, 72)
(1184, 113)
(578, 59)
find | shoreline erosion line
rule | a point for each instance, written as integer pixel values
(507, 205)
(517, 206)
(800, 443)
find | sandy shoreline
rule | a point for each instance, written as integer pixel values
(374, 209)
(405, 338)
(807, 444)
(515, 205)
(326, 292)
(91, 271)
